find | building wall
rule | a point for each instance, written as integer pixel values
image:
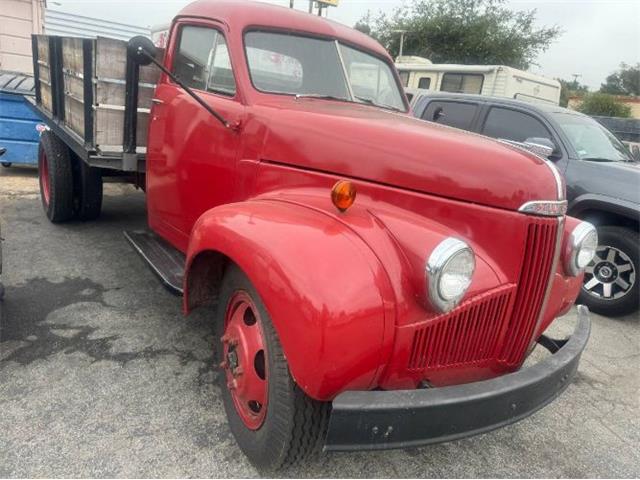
(69, 24)
(18, 20)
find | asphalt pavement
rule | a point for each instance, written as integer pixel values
(102, 376)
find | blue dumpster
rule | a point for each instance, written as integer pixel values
(18, 134)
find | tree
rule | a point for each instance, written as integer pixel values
(626, 81)
(570, 88)
(605, 105)
(463, 31)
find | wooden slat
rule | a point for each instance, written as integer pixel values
(111, 62)
(45, 94)
(72, 55)
(74, 114)
(73, 86)
(109, 126)
(44, 73)
(109, 93)
(43, 48)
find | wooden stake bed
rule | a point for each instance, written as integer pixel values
(94, 98)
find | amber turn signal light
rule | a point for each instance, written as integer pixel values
(343, 194)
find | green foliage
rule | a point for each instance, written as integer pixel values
(570, 88)
(605, 105)
(463, 31)
(626, 81)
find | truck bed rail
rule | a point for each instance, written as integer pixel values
(95, 98)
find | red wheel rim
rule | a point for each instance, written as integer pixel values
(43, 170)
(244, 360)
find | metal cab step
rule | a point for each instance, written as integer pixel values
(164, 260)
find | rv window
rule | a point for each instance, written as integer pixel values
(513, 125)
(454, 114)
(425, 82)
(404, 78)
(462, 82)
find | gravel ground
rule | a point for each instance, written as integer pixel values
(101, 376)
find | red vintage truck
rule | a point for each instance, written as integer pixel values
(378, 282)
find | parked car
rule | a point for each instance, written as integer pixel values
(18, 134)
(602, 181)
(419, 75)
(363, 298)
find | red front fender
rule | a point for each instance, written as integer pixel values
(327, 294)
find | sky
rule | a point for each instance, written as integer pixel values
(598, 34)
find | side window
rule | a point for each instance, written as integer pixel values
(424, 82)
(513, 125)
(202, 60)
(462, 82)
(454, 114)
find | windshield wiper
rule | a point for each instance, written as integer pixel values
(599, 159)
(379, 105)
(319, 95)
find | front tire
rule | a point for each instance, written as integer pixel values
(55, 178)
(6, 164)
(281, 426)
(611, 282)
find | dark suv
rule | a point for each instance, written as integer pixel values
(602, 177)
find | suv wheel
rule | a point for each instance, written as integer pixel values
(611, 281)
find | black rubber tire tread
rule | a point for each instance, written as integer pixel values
(6, 164)
(295, 425)
(87, 190)
(626, 240)
(60, 207)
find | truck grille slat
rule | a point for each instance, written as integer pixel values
(539, 253)
(467, 335)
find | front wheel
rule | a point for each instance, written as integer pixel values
(6, 164)
(275, 424)
(611, 284)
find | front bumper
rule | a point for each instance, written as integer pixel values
(375, 420)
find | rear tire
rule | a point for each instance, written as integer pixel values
(612, 280)
(55, 178)
(294, 425)
(87, 190)
(6, 164)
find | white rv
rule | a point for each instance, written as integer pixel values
(418, 73)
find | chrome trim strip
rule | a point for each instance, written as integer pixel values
(530, 207)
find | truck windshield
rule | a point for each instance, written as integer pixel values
(591, 140)
(304, 66)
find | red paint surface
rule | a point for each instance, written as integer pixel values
(347, 290)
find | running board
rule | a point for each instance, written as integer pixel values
(165, 261)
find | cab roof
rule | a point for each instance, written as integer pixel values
(241, 14)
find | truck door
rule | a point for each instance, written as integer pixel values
(191, 156)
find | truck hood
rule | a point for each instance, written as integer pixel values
(371, 144)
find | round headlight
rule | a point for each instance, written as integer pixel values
(449, 271)
(582, 248)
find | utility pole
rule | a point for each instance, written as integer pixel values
(401, 32)
(310, 6)
(290, 3)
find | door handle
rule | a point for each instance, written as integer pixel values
(157, 101)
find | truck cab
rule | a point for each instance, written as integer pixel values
(348, 252)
